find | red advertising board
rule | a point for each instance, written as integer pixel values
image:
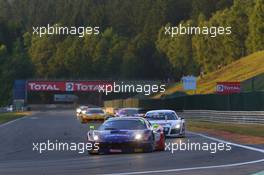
(228, 87)
(66, 86)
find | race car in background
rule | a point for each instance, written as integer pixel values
(92, 114)
(81, 110)
(131, 112)
(172, 124)
(126, 134)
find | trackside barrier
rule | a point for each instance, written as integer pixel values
(252, 101)
(34, 107)
(236, 108)
(245, 117)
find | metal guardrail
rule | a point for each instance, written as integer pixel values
(2, 110)
(244, 117)
(37, 107)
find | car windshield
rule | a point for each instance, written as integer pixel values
(161, 116)
(128, 111)
(123, 125)
(95, 111)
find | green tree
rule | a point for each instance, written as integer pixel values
(200, 44)
(223, 49)
(179, 52)
(255, 40)
(9, 72)
(3, 50)
(41, 52)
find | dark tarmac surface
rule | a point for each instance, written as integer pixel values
(17, 155)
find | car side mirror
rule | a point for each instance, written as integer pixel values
(182, 118)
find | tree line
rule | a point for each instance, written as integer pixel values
(131, 44)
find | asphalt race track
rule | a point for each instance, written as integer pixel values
(17, 155)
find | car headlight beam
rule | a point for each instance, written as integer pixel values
(177, 126)
(138, 136)
(96, 137)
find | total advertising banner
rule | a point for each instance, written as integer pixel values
(66, 86)
(228, 87)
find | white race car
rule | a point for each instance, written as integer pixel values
(172, 124)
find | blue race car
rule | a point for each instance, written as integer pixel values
(128, 134)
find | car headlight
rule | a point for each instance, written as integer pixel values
(96, 137)
(138, 136)
(78, 110)
(178, 126)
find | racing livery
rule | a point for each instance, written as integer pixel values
(126, 134)
(92, 114)
(172, 124)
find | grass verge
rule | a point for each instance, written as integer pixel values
(239, 71)
(243, 129)
(6, 117)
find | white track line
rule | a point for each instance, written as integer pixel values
(202, 167)
(234, 144)
(259, 173)
(12, 121)
(187, 169)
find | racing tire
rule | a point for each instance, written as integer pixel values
(81, 120)
(183, 131)
(151, 147)
(94, 154)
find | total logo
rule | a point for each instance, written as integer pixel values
(220, 88)
(228, 88)
(43, 87)
(65, 86)
(70, 87)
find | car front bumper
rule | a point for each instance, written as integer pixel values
(90, 118)
(122, 147)
(172, 132)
